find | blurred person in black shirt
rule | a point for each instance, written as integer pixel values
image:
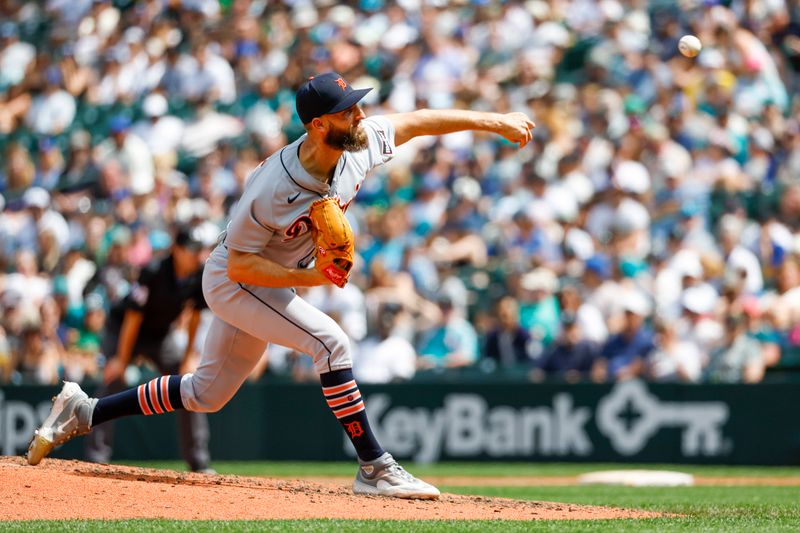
(508, 344)
(570, 357)
(81, 173)
(138, 325)
(626, 354)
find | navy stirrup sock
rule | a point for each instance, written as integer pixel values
(343, 397)
(159, 395)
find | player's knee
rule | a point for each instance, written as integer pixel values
(340, 343)
(205, 402)
(207, 407)
(339, 348)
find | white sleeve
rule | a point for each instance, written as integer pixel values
(380, 131)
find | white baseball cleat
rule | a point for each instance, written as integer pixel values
(384, 477)
(70, 416)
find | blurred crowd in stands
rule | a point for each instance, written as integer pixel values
(651, 229)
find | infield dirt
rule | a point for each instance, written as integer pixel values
(58, 489)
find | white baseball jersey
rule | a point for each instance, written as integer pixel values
(271, 218)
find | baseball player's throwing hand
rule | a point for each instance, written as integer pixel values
(517, 128)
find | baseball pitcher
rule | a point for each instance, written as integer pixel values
(288, 230)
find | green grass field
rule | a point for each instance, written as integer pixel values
(701, 508)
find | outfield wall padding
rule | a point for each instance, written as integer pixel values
(470, 421)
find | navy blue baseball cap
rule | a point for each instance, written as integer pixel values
(324, 94)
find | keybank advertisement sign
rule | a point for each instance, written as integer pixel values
(624, 421)
(469, 421)
(628, 417)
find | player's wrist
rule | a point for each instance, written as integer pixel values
(492, 122)
(309, 277)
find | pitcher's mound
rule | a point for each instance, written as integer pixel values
(58, 490)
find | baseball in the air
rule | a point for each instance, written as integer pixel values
(689, 46)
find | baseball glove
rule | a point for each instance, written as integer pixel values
(333, 240)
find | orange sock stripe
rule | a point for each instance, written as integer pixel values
(346, 392)
(344, 399)
(350, 410)
(142, 401)
(327, 391)
(158, 394)
(165, 394)
(154, 396)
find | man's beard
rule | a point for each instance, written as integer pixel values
(351, 140)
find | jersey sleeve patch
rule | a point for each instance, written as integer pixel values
(386, 148)
(381, 142)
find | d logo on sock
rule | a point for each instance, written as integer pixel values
(354, 429)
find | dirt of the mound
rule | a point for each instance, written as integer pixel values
(57, 490)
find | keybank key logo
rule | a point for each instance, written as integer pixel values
(701, 421)
(465, 426)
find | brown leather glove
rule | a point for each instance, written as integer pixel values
(333, 239)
